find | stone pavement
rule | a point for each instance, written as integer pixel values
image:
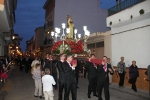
(20, 86)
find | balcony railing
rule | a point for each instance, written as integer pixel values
(48, 42)
(48, 25)
(123, 5)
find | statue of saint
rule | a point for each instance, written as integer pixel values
(71, 27)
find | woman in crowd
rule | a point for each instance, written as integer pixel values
(133, 73)
(121, 69)
(33, 64)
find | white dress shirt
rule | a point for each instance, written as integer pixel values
(48, 82)
(71, 66)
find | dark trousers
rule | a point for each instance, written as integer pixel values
(133, 84)
(55, 78)
(85, 71)
(26, 68)
(92, 85)
(121, 81)
(77, 78)
(20, 67)
(104, 85)
(61, 87)
(70, 87)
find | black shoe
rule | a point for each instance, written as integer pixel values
(89, 96)
(77, 87)
(95, 95)
(35, 96)
(41, 97)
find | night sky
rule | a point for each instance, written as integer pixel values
(30, 15)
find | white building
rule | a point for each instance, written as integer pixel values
(130, 30)
(7, 20)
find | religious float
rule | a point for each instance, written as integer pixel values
(70, 42)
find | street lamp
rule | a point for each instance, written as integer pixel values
(86, 36)
(75, 31)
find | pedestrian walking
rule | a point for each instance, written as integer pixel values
(33, 64)
(48, 82)
(103, 78)
(62, 78)
(70, 84)
(121, 69)
(92, 77)
(133, 73)
(37, 80)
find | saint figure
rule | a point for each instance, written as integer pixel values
(71, 27)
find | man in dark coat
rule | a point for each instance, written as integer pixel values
(54, 71)
(46, 63)
(70, 84)
(103, 78)
(61, 79)
(77, 69)
(92, 76)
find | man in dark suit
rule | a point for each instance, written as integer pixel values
(54, 71)
(21, 63)
(92, 76)
(70, 84)
(61, 79)
(103, 78)
(77, 69)
(27, 64)
(46, 63)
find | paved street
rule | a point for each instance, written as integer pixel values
(20, 86)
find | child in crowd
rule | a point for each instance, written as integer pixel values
(37, 79)
(48, 82)
(3, 72)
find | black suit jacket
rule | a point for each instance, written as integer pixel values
(46, 64)
(61, 71)
(54, 67)
(92, 71)
(102, 75)
(69, 73)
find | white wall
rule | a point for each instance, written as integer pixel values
(83, 12)
(133, 45)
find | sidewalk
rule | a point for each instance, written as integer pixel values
(126, 89)
(4, 87)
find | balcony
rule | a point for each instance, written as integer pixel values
(48, 25)
(48, 42)
(130, 15)
(122, 6)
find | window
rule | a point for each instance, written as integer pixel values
(100, 44)
(91, 45)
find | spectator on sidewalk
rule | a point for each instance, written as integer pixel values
(133, 73)
(48, 82)
(110, 75)
(121, 69)
(38, 83)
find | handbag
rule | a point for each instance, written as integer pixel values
(130, 81)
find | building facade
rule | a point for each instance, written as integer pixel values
(39, 41)
(84, 13)
(7, 21)
(100, 44)
(130, 27)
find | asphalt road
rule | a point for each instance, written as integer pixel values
(20, 86)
